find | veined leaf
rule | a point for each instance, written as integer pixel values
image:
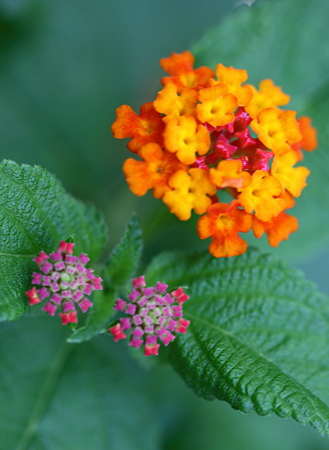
(35, 214)
(271, 40)
(61, 396)
(258, 337)
(125, 258)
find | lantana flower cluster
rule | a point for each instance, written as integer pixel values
(152, 314)
(208, 132)
(65, 281)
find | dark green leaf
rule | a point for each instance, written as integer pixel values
(258, 336)
(199, 424)
(35, 213)
(61, 396)
(288, 42)
(99, 315)
(125, 258)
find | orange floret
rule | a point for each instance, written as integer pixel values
(277, 229)
(217, 105)
(288, 198)
(233, 78)
(223, 222)
(189, 191)
(170, 103)
(291, 178)
(180, 67)
(268, 96)
(229, 174)
(309, 141)
(185, 137)
(277, 129)
(153, 172)
(144, 128)
(261, 196)
(178, 63)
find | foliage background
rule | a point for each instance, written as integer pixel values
(64, 68)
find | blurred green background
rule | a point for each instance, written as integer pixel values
(65, 66)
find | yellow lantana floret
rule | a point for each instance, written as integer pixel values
(267, 96)
(291, 178)
(189, 191)
(172, 104)
(277, 129)
(233, 78)
(186, 138)
(217, 105)
(261, 196)
(229, 174)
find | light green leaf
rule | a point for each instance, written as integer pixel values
(125, 258)
(99, 315)
(288, 42)
(35, 214)
(61, 396)
(258, 337)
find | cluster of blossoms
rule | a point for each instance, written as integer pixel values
(153, 313)
(203, 135)
(64, 279)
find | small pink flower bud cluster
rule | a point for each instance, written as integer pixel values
(153, 313)
(66, 280)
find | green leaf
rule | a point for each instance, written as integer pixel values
(197, 423)
(35, 214)
(258, 337)
(125, 258)
(99, 315)
(271, 41)
(61, 396)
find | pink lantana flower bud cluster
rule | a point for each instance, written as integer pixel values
(152, 314)
(65, 281)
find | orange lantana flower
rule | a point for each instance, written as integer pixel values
(233, 78)
(223, 222)
(229, 174)
(291, 178)
(217, 105)
(268, 96)
(202, 135)
(261, 196)
(144, 128)
(189, 191)
(170, 103)
(180, 67)
(153, 172)
(277, 229)
(277, 129)
(186, 138)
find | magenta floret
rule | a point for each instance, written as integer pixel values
(153, 314)
(66, 280)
